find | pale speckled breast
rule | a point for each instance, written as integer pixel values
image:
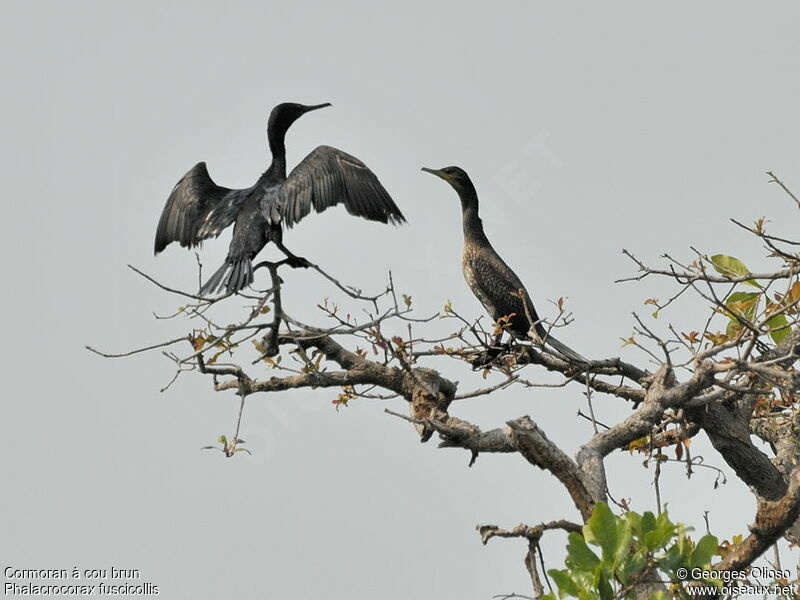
(495, 285)
(470, 266)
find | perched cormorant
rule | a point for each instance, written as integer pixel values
(198, 208)
(492, 281)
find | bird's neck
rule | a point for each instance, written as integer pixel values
(277, 169)
(277, 146)
(473, 226)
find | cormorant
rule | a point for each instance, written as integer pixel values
(492, 281)
(198, 208)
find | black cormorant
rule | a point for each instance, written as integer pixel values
(492, 281)
(198, 208)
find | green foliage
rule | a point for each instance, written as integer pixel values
(615, 554)
(747, 305)
(744, 303)
(779, 327)
(731, 267)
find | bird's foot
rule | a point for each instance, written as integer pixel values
(297, 262)
(489, 356)
(482, 361)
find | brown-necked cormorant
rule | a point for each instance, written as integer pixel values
(492, 281)
(198, 208)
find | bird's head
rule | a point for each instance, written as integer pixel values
(283, 115)
(458, 178)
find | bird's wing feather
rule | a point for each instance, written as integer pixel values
(327, 177)
(196, 209)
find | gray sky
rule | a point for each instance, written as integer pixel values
(586, 128)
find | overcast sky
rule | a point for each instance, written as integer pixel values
(586, 127)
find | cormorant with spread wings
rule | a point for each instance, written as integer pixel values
(198, 209)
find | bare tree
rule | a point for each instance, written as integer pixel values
(731, 377)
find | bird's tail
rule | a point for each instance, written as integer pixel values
(564, 350)
(233, 275)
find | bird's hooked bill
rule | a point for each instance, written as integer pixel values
(436, 172)
(317, 106)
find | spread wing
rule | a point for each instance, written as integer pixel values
(196, 209)
(327, 177)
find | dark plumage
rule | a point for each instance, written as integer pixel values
(492, 281)
(198, 208)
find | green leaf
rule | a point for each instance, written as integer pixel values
(635, 519)
(223, 440)
(632, 567)
(745, 297)
(604, 587)
(624, 537)
(579, 555)
(744, 304)
(733, 329)
(603, 526)
(565, 583)
(704, 550)
(778, 326)
(662, 532)
(648, 522)
(671, 560)
(731, 267)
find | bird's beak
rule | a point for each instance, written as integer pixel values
(317, 106)
(437, 173)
